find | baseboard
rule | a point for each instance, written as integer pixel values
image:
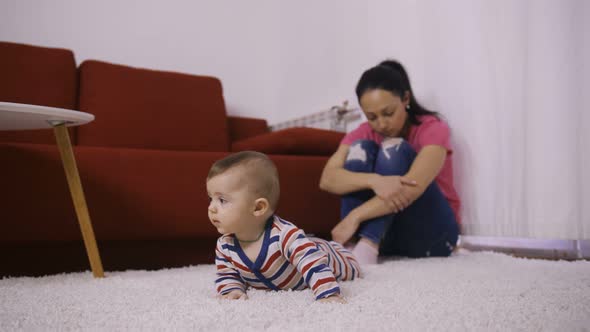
(531, 248)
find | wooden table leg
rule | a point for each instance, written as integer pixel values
(69, 162)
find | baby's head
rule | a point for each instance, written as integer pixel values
(244, 191)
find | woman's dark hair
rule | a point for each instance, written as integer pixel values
(391, 76)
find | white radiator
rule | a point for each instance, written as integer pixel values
(336, 118)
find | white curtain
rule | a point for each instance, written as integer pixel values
(511, 77)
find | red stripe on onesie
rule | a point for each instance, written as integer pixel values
(288, 280)
(241, 267)
(309, 265)
(271, 260)
(307, 245)
(323, 281)
(289, 234)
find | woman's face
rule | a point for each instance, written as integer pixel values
(385, 111)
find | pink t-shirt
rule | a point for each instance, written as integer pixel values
(431, 131)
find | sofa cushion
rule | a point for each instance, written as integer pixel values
(293, 141)
(40, 76)
(139, 194)
(141, 108)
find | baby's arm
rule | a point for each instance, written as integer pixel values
(229, 284)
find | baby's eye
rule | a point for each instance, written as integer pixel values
(222, 200)
(210, 199)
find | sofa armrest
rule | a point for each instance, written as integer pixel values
(41, 76)
(241, 127)
(293, 141)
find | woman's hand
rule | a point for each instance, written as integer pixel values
(394, 190)
(345, 229)
(235, 295)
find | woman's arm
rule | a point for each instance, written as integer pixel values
(374, 207)
(424, 169)
(337, 180)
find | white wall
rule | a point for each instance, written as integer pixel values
(276, 60)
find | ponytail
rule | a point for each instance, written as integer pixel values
(391, 76)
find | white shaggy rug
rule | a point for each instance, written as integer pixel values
(469, 291)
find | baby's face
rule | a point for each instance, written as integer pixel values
(231, 204)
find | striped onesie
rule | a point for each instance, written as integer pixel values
(288, 259)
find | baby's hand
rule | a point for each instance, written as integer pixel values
(333, 299)
(235, 295)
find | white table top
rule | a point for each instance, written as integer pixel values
(15, 116)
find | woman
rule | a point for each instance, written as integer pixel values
(395, 174)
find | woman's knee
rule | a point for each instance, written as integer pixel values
(361, 156)
(395, 157)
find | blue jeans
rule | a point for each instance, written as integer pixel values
(427, 227)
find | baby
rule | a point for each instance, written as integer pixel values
(259, 249)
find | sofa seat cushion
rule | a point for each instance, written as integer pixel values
(139, 194)
(141, 108)
(293, 141)
(132, 194)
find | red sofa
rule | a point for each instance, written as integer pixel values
(143, 164)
